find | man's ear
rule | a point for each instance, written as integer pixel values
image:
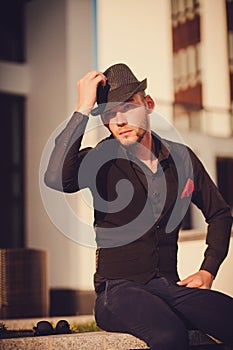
(150, 103)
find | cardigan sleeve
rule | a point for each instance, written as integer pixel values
(66, 157)
(217, 214)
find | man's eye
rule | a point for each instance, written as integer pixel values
(128, 106)
(108, 115)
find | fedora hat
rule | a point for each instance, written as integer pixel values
(120, 86)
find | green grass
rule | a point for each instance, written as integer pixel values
(84, 327)
(81, 327)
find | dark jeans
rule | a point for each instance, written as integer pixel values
(160, 312)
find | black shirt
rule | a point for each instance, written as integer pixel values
(137, 239)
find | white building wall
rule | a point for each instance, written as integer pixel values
(138, 33)
(60, 51)
(216, 92)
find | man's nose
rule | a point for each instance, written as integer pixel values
(121, 118)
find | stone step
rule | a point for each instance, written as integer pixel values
(83, 341)
(90, 340)
(94, 341)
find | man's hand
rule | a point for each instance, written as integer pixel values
(201, 279)
(87, 87)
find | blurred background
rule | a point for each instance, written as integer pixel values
(183, 47)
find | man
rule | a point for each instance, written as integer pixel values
(142, 186)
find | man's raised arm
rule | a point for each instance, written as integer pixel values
(61, 173)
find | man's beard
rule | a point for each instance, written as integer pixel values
(140, 133)
(132, 141)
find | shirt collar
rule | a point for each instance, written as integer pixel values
(161, 148)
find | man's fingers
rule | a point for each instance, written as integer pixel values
(96, 75)
(201, 279)
(191, 282)
(194, 284)
(87, 87)
(183, 282)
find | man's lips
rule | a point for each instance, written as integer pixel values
(125, 132)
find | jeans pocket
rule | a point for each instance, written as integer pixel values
(106, 294)
(165, 281)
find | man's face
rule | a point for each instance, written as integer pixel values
(129, 121)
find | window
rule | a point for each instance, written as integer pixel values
(12, 30)
(187, 74)
(229, 8)
(12, 171)
(224, 179)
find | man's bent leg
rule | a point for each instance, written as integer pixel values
(127, 307)
(212, 312)
(207, 310)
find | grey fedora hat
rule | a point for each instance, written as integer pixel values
(121, 85)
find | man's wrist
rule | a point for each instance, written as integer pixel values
(209, 274)
(85, 111)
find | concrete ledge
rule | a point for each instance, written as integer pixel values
(90, 341)
(84, 341)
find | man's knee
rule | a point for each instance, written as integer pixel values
(171, 339)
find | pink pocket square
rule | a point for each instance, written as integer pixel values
(188, 189)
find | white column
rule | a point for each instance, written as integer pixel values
(216, 87)
(59, 52)
(138, 33)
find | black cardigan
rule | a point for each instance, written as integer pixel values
(132, 241)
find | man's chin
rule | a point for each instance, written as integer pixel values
(126, 142)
